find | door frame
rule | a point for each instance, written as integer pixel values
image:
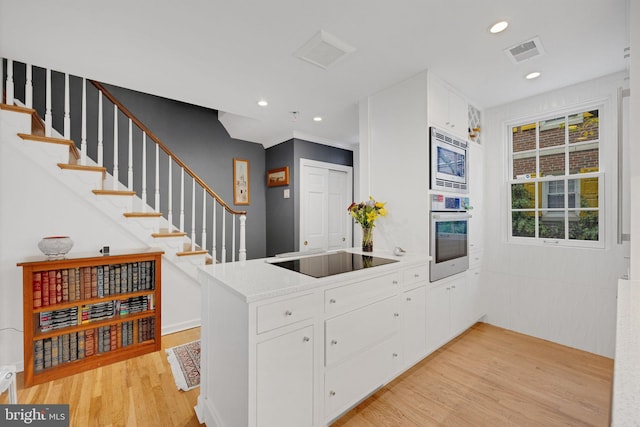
(302, 193)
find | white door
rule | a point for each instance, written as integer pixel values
(325, 194)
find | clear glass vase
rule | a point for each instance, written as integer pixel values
(367, 239)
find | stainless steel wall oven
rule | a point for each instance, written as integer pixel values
(449, 236)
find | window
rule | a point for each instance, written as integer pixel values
(555, 184)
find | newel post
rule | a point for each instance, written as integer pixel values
(242, 251)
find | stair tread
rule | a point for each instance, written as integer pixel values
(114, 192)
(173, 234)
(196, 252)
(142, 214)
(101, 169)
(17, 109)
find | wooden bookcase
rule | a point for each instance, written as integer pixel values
(90, 308)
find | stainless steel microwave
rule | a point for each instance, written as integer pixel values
(449, 162)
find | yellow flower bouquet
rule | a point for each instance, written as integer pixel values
(365, 213)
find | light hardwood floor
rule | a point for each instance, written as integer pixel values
(486, 377)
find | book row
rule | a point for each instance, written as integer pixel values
(51, 352)
(73, 284)
(73, 316)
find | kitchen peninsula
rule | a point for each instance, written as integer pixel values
(285, 348)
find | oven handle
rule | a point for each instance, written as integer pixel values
(449, 216)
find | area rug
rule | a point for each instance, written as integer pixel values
(185, 365)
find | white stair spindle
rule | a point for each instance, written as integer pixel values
(28, 87)
(233, 238)
(242, 251)
(47, 112)
(182, 199)
(157, 179)
(115, 147)
(83, 135)
(100, 131)
(193, 215)
(213, 231)
(224, 243)
(9, 83)
(169, 195)
(130, 161)
(144, 171)
(67, 108)
(204, 219)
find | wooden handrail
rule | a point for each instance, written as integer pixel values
(164, 148)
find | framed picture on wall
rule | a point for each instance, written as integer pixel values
(240, 181)
(276, 177)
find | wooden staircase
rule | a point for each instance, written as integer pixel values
(37, 136)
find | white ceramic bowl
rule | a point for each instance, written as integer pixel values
(55, 246)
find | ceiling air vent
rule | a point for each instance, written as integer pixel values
(525, 50)
(323, 50)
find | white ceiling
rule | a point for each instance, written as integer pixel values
(226, 55)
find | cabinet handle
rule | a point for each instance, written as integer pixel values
(332, 301)
(395, 354)
(332, 393)
(396, 314)
(408, 298)
(288, 313)
(448, 289)
(395, 282)
(453, 287)
(334, 342)
(306, 339)
(416, 275)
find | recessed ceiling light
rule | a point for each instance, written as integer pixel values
(498, 27)
(533, 75)
(263, 103)
(317, 119)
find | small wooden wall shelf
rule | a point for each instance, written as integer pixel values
(89, 311)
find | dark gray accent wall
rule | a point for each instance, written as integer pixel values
(283, 215)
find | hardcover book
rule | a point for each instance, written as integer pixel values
(37, 289)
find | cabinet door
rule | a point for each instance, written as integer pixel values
(284, 380)
(438, 316)
(476, 183)
(458, 115)
(414, 324)
(438, 104)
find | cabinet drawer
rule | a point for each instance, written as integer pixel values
(346, 384)
(285, 312)
(358, 294)
(475, 259)
(355, 331)
(416, 274)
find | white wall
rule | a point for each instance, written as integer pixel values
(565, 295)
(33, 205)
(394, 164)
(634, 18)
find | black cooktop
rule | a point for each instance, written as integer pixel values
(332, 263)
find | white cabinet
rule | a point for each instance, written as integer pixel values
(447, 109)
(414, 324)
(451, 309)
(284, 380)
(476, 185)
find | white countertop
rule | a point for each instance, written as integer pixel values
(257, 279)
(625, 409)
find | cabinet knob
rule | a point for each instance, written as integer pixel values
(306, 243)
(408, 298)
(396, 314)
(332, 393)
(344, 239)
(453, 286)
(306, 339)
(334, 342)
(448, 289)
(332, 301)
(395, 282)
(395, 354)
(288, 313)
(416, 275)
